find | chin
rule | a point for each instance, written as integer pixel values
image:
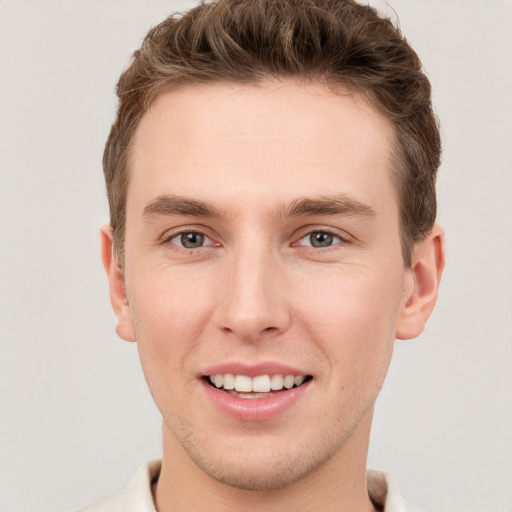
(262, 473)
(261, 463)
(252, 481)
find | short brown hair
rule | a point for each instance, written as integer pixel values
(339, 43)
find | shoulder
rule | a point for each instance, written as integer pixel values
(137, 497)
(385, 494)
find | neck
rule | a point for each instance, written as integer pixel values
(340, 484)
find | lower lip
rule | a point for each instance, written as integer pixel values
(255, 409)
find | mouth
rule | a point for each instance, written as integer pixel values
(260, 386)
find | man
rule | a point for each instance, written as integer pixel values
(271, 180)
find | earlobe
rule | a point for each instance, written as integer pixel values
(422, 284)
(115, 278)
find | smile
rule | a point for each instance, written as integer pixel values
(272, 393)
(261, 386)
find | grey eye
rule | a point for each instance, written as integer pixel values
(190, 240)
(320, 239)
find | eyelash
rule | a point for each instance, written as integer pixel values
(167, 239)
(343, 239)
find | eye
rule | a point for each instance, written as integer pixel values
(320, 239)
(190, 240)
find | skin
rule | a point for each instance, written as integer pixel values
(257, 290)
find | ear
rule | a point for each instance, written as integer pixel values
(115, 278)
(421, 284)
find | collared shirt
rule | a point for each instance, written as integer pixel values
(137, 497)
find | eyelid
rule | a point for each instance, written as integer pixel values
(177, 236)
(168, 235)
(307, 236)
(308, 230)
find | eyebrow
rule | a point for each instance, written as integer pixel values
(339, 204)
(178, 205)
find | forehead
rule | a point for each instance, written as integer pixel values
(267, 141)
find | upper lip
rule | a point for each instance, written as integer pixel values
(252, 369)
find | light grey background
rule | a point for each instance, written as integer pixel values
(76, 419)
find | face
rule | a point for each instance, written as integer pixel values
(263, 252)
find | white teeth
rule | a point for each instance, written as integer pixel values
(276, 382)
(289, 381)
(259, 384)
(297, 381)
(229, 381)
(243, 383)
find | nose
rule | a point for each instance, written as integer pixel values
(253, 302)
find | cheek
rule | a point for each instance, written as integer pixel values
(353, 318)
(169, 315)
(170, 311)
